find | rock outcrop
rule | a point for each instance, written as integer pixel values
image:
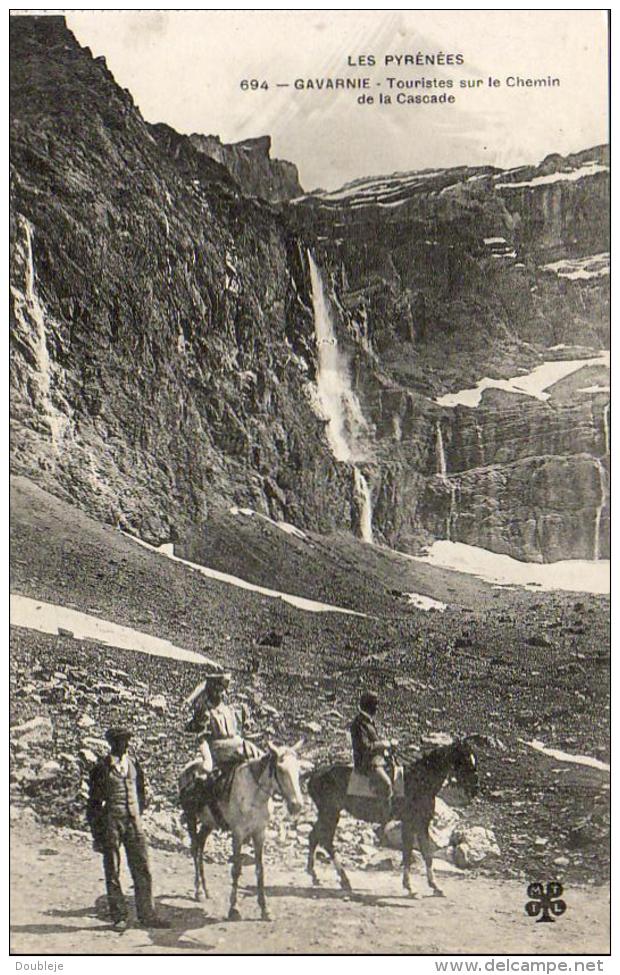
(250, 164)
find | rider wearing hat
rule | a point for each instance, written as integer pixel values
(219, 726)
(368, 748)
(116, 801)
(221, 743)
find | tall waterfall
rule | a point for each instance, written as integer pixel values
(602, 474)
(362, 490)
(442, 467)
(480, 444)
(30, 311)
(606, 427)
(36, 313)
(442, 470)
(347, 430)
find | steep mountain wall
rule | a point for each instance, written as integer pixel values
(161, 331)
(163, 348)
(442, 278)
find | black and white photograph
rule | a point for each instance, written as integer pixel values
(309, 358)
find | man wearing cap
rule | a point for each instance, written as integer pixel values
(115, 803)
(369, 749)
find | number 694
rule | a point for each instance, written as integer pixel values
(253, 84)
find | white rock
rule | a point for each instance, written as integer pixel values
(39, 729)
(98, 745)
(443, 823)
(437, 738)
(48, 771)
(23, 815)
(473, 845)
(159, 703)
(85, 721)
(312, 726)
(88, 757)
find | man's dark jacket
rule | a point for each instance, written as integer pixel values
(112, 795)
(364, 738)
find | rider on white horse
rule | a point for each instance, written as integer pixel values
(220, 727)
(221, 743)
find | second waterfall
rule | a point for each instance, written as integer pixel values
(347, 430)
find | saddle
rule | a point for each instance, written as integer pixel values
(361, 785)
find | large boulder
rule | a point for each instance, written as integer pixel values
(442, 828)
(163, 828)
(473, 845)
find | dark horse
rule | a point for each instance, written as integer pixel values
(422, 781)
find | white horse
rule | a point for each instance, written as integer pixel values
(246, 812)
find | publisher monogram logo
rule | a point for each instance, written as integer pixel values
(545, 900)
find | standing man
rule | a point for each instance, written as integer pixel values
(115, 803)
(369, 749)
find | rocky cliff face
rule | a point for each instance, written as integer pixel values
(160, 334)
(163, 348)
(441, 278)
(250, 164)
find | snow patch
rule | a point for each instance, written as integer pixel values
(570, 575)
(589, 169)
(425, 602)
(282, 525)
(561, 756)
(299, 602)
(32, 614)
(581, 268)
(533, 384)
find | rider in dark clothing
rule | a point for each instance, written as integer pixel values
(368, 748)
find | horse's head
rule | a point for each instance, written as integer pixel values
(465, 768)
(284, 765)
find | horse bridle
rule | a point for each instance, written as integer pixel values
(272, 767)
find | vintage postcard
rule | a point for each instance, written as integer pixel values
(310, 484)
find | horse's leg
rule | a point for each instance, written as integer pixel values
(322, 834)
(426, 849)
(233, 913)
(201, 840)
(259, 839)
(313, 842)
(408, 834)
(190, 819)
(327, 841)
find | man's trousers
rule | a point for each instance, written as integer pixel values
(124, 831)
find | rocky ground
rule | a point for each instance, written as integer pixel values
(523, 665)
(58, 907)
